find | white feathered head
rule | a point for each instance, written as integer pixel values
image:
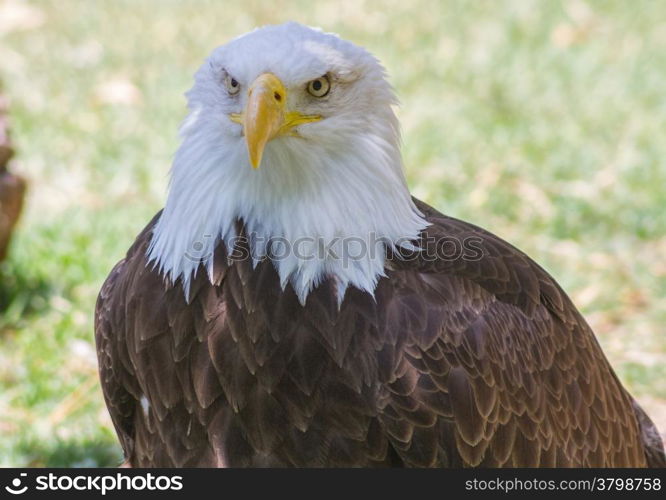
(291, 131)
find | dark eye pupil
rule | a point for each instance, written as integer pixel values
(234, 83)
(316, 85)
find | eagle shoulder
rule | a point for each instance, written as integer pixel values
(495, 366)
(112, 325)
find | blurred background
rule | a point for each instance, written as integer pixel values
(542, 121)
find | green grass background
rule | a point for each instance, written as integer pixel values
(543, 121)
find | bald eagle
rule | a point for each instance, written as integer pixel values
(293, 305)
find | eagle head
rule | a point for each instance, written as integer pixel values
(291, 132)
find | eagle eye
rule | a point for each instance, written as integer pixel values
(233, 87)
(319, 87)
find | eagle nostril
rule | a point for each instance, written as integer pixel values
(278, 96)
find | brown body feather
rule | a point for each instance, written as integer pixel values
(482, 362)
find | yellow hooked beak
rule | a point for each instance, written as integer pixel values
(265, 117)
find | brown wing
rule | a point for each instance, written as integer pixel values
(499, 368)
(117, 372)
(118, 400)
